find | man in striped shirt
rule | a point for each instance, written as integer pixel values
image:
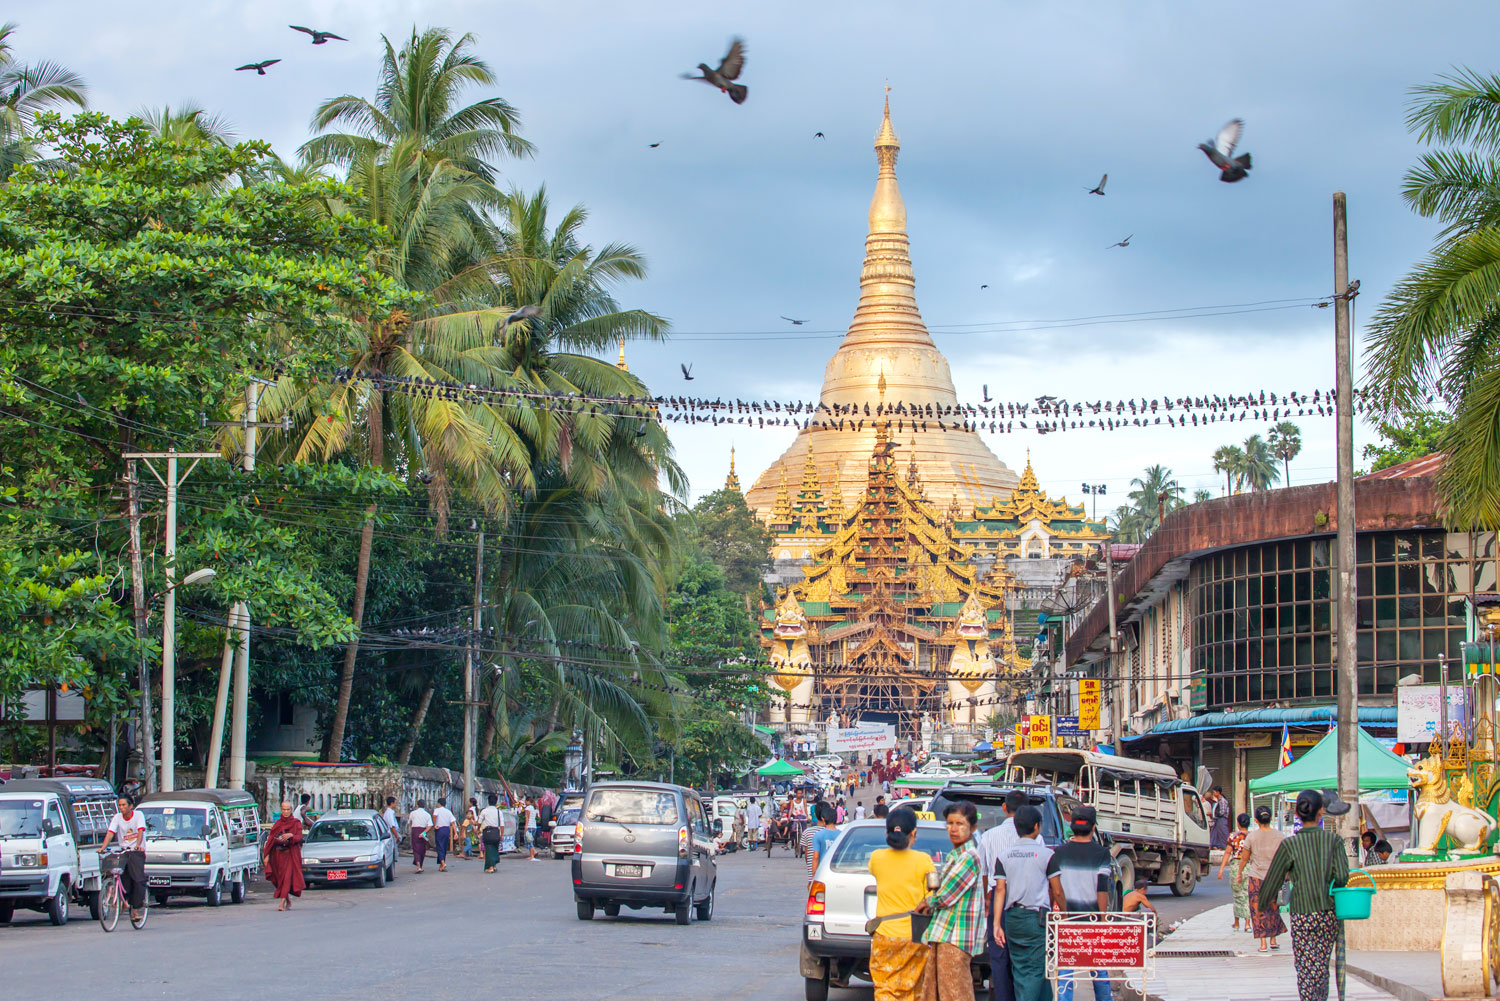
(815, 840)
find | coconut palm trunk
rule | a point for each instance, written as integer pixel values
(403, 756)
(335, 740)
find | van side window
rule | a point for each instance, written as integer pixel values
(54, 817)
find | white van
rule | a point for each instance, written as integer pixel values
(201, 843)
(50, 830)
(722, 819)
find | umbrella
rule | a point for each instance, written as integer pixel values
(779, 767)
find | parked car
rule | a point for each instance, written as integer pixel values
(347, 846)
(569, 809)
(644, 844)
(50, 830)
(202, 843)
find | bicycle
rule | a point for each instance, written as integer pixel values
(112, 895)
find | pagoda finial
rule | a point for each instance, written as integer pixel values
(732, 481)
(887, 209)
(836, 498)
(911, 468)
(621, 363)
(781, 512)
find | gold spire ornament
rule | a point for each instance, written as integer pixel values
(621, 363)
(732, 481)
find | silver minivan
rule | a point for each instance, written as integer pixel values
(644, 844)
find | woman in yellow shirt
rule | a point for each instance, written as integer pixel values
(896, 962)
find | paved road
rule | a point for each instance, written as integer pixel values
(441, 936)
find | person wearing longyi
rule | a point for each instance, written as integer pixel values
(900, 871)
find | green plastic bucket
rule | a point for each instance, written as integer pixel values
(1352, 903)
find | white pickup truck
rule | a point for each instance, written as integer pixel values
(49, 832)
(1156, 822)
(202, 843)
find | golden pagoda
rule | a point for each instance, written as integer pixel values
(887, 340)
(732, 481)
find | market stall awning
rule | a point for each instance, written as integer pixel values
(778, 768)
(1254, 719)
(1319, 768)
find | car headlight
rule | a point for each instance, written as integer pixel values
(33, 861)
(194, 857)
(365, 858)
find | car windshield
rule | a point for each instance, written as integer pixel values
(20, 818)
(342, 830)
(854, 848)
(175, 822)
(633, 806)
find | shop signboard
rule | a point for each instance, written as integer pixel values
(1088, 704)
(1040, 733)
(1418, 711)
(870, 737)
(1068, 726)
(1115, 944)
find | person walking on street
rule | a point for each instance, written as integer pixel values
(1260, 848)
(282, 857)
(956, 933)
(391, 820)
(1313, 859)
(1083, 868)
(896, 962)
(491, 832)
(301, 812)
(444, 830)
(821, 837)
(752, 823)
(992, 844)
(1239, 882)
(419, 820)
(129, 827)
(470, 830)
(1027, 885)
(1218, 809)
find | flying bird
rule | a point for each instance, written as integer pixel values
(524, 313)
(1231, 168)
(1098, 189)
(728, 70)
(259, 68)
(795, 323)
(984, 286)
(318, 37)
(687, 372)
(1123, 243)
(653, 145)
(818, 135)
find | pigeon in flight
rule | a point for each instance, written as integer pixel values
(653, 145)
(524, 313)
(818, 135)
(1098, 189)
(727, 71)
(984, 286)
(795, 323)
(259, 68)
(1231, 168)
(1123, 243)
(318, 37)
(687, 372)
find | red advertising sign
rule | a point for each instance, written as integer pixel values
(1101, 945)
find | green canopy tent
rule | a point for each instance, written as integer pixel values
(1319, 768)
(780, 768)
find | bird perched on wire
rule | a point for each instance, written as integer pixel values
(1231, 168)
(1098, 189)
(524, 313)
(318, 37)
(795, 323)
(259, 68)
(727, 72)
(1123, 243)
(687, 372)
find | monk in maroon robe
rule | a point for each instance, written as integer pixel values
(283, 857)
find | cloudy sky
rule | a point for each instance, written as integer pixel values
(1007, 112)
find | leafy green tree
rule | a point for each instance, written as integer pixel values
(1407, 437)
(1230, 460)
(30, 90)
(729, 535)
(1434, 337)
(1258, 470)
(1286, 444)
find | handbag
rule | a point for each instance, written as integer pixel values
(490, 836)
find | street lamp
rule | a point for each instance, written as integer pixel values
(1095, 490)
(169, 673)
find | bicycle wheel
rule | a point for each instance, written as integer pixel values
(109, 905)
(141, 923)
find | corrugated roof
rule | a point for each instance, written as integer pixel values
(1427, 465)
(1384, 716)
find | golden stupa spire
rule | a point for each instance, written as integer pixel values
(732, 481)
(781, 514)
(621, 363)
(836, 498)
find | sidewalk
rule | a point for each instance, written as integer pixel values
(1203, 950)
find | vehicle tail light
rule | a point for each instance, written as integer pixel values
(817, 901)
(578, 839)
(682, 842)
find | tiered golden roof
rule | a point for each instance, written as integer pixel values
(732, 481)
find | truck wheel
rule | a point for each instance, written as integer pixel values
(585, 910)
(706, 906)
(237, 889)
(1187, 876)
(7, 911)
(57, 907)
(815, 990)
(215, 895)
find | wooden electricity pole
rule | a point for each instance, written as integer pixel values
(143, 731)
(1348, 651)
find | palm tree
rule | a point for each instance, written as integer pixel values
(1154, 495)
(188, 123)
(1435, 334)
(1286, 443)
(1125, 524)
(1200, 495)
(29, 89)
(1230, 460)
(1259, 470)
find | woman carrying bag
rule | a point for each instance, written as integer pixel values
(955, 934)
(490, 832)
(901, 872)
(1314, 859)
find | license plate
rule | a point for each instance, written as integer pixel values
(338, 873)
(627, 870)
(158, 880)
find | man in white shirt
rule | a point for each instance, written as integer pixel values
(491, 831)
(444, 824)
(301, 812)
(992, 844)
(752, 823)
(859, 811)
(389, 813)
(1028, 885)
(419, 820)
(130, 828)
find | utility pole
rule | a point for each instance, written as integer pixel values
(470, 664)
(138, 601)
(221, 701)
(1117, 694)
(1348, 651)
(169, 616)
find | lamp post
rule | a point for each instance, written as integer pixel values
(1094, 490)
(169, 666)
